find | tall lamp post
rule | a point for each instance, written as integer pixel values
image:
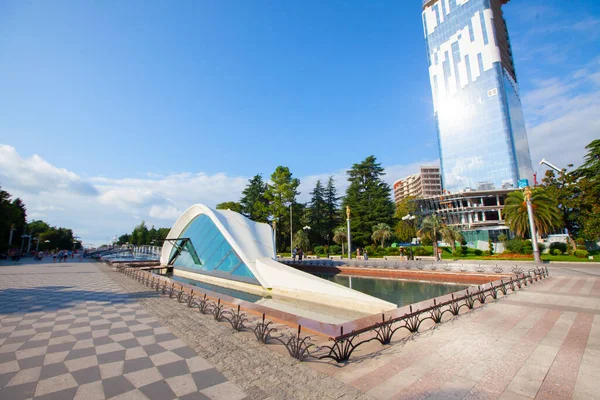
(410, 218)
(12, 230)
(349, 237)
(534, 243)
(275, 236)
(291, 227)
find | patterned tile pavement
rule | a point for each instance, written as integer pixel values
(67, 331)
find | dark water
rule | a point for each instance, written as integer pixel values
(238, 294)
(395, 291)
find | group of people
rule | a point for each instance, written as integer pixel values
(63, 255)
(297, 252)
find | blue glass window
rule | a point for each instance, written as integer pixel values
(468, 64)
(480, 62)
(471, 34)
(215, 256)
(483, 27)
(437, 13)
(456, 59)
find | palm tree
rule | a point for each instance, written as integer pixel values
(301, 240)
(340, 236)
(431, 228)
(381, 232)
(546, 214)
(451, 235)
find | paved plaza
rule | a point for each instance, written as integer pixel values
(85, 331)
(68, 331)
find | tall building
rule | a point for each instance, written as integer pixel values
(481, 130)
(424, 184)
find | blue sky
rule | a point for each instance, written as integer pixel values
(135, 110)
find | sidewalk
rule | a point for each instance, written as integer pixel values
(68, 331)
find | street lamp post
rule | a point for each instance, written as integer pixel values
(12, 229)
(291, 229)
(275, 236)
(534, 243)
(349, 237)
(411, 218)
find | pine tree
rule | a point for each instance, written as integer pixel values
(333, 213)
(318, 214)
(369, 199)
(253, 202)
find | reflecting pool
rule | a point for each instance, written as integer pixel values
(400, 292)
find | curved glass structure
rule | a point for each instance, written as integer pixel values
(208, 252)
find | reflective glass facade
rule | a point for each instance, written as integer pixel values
(210, 253)
(481, 130)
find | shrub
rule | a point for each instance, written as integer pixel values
(490, 247)
(457, 253)
(580, 243)
(464, 249)
(556, 252)
(527, 250)
(421, 251)
(515, 246)
(393, 251)
(319, 250)
(478, 252)
(335, 249)
(581, 253)
(541, 247)
(527, 242)
(507, 252)
(486, 253)
(558, 246)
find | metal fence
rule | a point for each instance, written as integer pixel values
(342, 346)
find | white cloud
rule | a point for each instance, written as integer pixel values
(34, 175)
(563, 117)
(168, 212)
(109, 207)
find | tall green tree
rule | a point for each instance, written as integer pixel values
(230, 205)
(431, 228)
(13, 214)
(318, 214)
(281, 193)
(546, 214)
(406, 229)
(588, 186)
(369, 199)
(451, 235)
(381, 232)
(332, 205)
(254, 202)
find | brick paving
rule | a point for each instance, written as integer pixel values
(68, 331)
(87, 331)
(542, 342)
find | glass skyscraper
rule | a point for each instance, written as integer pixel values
(481, 130)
